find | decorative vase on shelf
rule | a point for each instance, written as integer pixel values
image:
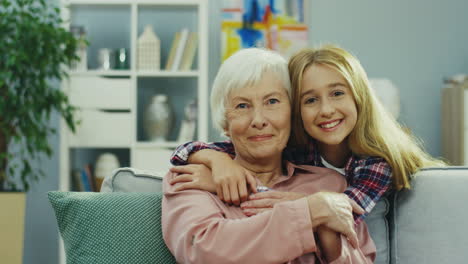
(158, 118)
(105, 164)
(188, 125)
(149, 49)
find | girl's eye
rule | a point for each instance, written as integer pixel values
(310, 100)
(241, 106)
(273, 101)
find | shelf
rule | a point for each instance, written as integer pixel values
(123, 73)
(167, 73)
(165, 144)
(100, 94)
(128, 2)
(128, 73)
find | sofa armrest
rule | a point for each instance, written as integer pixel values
(429, 221)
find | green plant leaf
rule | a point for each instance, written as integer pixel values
(34, 49)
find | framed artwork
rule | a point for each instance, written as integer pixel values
(277, 25)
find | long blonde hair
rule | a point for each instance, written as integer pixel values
(376, 132)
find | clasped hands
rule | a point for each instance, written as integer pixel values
(331, 210)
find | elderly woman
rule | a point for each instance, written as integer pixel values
(250, 101)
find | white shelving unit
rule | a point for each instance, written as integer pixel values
(111, 101)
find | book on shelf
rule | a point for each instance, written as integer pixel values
(180, 49)
(91, 177)
(172, 52)
(87, 187)
(177, 50)
(189, 52)
(84, 180)
(77, 182)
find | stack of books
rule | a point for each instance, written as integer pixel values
(84, 180)
(182, 52)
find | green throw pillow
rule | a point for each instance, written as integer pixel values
(111, 227)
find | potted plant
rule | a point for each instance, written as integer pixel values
(33, 52)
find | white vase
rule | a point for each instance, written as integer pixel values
(105, 164)
(158, 118)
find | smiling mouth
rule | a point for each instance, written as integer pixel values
(261, 137)
(330, 125)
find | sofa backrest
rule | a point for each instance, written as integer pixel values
(132, 180)
(429, 221)
(378, 226)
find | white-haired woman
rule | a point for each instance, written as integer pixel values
(250, 101)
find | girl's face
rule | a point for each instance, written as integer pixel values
(328, 109)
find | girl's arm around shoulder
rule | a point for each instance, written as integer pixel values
(369, 179)
(183, 152)
(197, 229)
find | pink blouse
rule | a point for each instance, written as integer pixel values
(199, 228)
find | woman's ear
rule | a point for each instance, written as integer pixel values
(226, 133)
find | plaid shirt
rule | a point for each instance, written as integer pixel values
(368, 178)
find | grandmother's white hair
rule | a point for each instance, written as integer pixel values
(244, 68)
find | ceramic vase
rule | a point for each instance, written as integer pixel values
(158, 118)
(105, 164)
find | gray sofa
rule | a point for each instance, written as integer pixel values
(423, 225)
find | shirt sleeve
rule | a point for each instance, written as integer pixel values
(196, 230)
(182, 152)
(368, 182)
(365, 253)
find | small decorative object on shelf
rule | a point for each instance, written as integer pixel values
(80, 34)
(105, 164)
(122, 61)
(105, 59)
(187, 128)
(149, 50)
(158, 118)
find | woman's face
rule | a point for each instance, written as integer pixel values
(328, 109)
(258, 119)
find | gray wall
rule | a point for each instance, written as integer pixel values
(414, 43)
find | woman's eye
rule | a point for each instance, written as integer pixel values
(241, 106)
(273, 101)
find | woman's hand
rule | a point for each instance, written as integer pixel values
(193, 176)
(335, 211)
(264, 201)
(231, 181)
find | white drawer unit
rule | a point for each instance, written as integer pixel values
(102, 129)
(96, 92)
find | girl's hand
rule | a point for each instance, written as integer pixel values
(335, 211)
(231, 181)
(330, 243)
(193, 176)
(264, 201)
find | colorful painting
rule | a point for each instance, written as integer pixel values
(276, 25)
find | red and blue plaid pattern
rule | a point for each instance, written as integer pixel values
(369, 178)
